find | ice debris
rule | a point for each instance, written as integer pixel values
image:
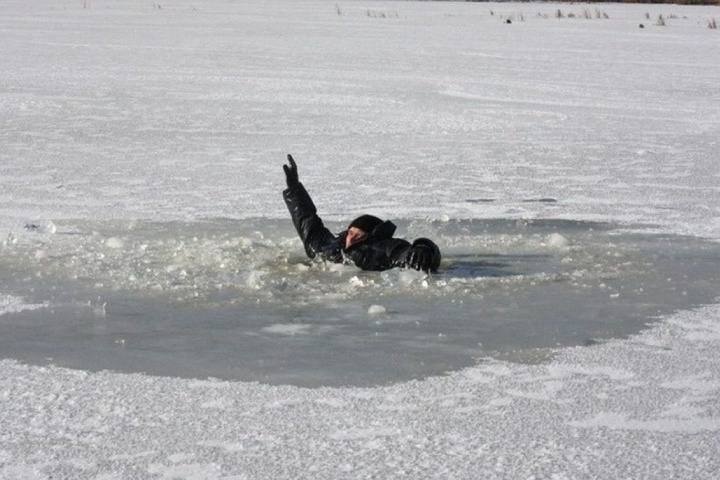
(376, 310)
(556, 240)
(114, 242)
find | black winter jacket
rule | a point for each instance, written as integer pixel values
(378, 251)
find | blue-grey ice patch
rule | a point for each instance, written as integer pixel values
(239, 299)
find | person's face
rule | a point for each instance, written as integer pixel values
(354, 235)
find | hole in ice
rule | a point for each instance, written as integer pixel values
(238, 299)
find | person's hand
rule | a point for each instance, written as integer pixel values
(424, 255)
(291, 173)
(420, 257)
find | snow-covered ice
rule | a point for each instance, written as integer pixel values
(175, 113)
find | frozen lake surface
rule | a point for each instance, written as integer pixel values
(238, 300)
(152, 123)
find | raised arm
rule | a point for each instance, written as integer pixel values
(315, 236)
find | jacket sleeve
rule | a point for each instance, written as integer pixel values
(381, 255)
(399, 252)
(314, 235)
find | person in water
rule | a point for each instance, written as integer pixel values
(367, 242)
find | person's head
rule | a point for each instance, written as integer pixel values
(360, 228)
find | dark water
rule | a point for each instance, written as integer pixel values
(238, 300)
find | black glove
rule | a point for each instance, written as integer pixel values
(291, 173)
(419, 258)
(424, 255)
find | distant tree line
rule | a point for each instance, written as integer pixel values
(679, 2)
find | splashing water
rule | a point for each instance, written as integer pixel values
(239, 300)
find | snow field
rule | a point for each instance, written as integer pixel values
(185, 112)
(653, 396)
